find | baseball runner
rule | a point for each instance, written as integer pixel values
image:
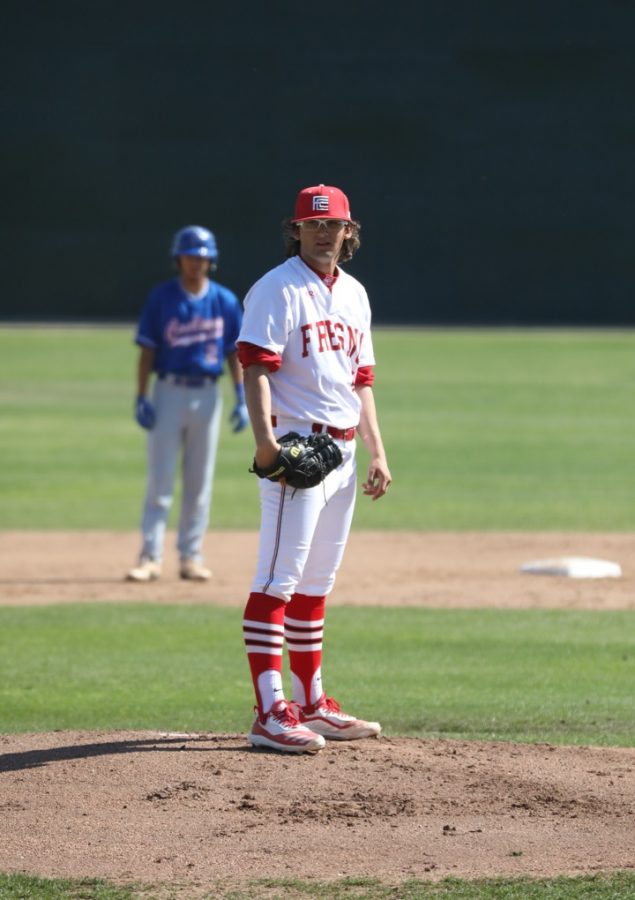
(188, 327)
(306, 350)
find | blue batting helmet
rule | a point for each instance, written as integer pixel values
(194, 241)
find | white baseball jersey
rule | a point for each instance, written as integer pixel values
(322, 337)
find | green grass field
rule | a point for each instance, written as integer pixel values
(543, 675)
(484, 430)
(499, 430)
(595, 887)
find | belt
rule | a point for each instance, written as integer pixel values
(193, 381)
(341, 434)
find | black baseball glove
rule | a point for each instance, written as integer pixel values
(303, 462)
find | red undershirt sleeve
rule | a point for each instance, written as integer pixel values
(365, 375)
(252, 355)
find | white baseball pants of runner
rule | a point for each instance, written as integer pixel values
(303, 533)
(187, 420)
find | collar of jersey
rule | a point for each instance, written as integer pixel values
(193, 298)
(329, 280)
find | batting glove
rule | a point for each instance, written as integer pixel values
(240, 415)
(144, 413)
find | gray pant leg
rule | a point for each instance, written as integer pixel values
(199, 459)
(164, 443)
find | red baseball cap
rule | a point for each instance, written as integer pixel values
(321, 202)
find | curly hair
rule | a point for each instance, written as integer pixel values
(292, 244)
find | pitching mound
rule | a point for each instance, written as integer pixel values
(192, 809)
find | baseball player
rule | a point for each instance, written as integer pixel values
(306, 350)
(188, 327)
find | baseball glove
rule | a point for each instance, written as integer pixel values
(303, 462)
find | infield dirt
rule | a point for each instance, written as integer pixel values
(379, 569)
(204, 811)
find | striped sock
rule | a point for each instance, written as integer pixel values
(263, 631)
(303, 629)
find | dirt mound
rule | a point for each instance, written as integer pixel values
(192, 809)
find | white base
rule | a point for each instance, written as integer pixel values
(574, 567)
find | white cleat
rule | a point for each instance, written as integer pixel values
(280, 730)
(192, 570)
(326, 718)
(147, 570)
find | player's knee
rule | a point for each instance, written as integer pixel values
(161, 501)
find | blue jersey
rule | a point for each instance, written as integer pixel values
(190, 336)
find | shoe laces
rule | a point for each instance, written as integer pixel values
(328, 703)
(331, 704)
(285, 714)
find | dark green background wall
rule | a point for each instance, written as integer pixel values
(487, 148)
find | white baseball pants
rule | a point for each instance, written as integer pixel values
(303, 533)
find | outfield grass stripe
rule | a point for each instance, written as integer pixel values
(526, 675)
(485, 429)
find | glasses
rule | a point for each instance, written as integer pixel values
(327, 224)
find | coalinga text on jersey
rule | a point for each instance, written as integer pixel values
(196, 331)
(331, 335)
